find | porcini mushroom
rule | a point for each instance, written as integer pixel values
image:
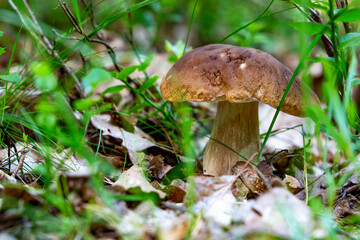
(237, 78)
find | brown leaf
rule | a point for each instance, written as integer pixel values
(249, 178)
(104, 232)
(18, 192)
(131, 141)
(174, 194)
(7, 178)
(346, 206)
(292, 184)
(82, 193)
(280, 160)
(266, 169)
(157, 168)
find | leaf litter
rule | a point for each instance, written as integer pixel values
(199, 207)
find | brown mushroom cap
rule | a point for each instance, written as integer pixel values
(223, 72)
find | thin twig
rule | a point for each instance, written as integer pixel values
(71, 17)
(92, 19)
(9, 157)
(21, 161)
(46, 42)
(108, 47)
(110, 50)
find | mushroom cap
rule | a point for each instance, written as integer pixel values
(218, 72)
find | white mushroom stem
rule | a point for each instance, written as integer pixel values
(237, 127)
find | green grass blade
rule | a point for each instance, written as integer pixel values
(302, 61)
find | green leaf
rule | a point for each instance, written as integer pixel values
(113, 74)
(2, 51)
(118, 14)
(177, 49)
(355, 82)
(114, 89)
(330, 61)
(309, 27)
(12, 77)
(126, 72)
(95, 77)
(350, 39)
(1, 33)
(46, 120)
(127, 122)
(148, 83)
(348, 15)
(45, 106)
(45, 79)
(309, 3)
(85, 103)
(145, 64)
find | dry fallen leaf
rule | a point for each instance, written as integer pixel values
(131, 141)
(148, 221)
(134, 177)
(5, 177)
(214, 198)
(24, 193)
(31, 159)
(292, 184)
(80, 192)
(280, 160)
(174, 194)
(157, 168)
(249, 180)
(346, 206)
(276, 212)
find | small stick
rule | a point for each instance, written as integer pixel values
(102, 41)
(9, 157)
(21, 162)
(92, 19)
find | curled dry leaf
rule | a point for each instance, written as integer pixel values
(292, 184)
(134, 177)
(275, 212)
(249, 180)
(352, 184)
(157, 168)
(280, 160)
(174, 194)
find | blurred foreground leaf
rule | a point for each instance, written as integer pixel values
(95, 77)
(12, 77)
